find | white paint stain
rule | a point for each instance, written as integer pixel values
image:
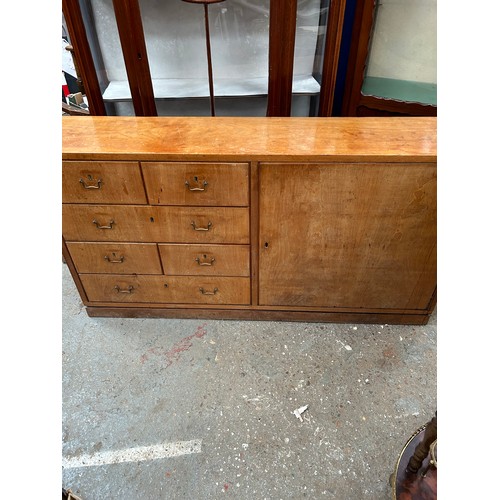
(139, 454)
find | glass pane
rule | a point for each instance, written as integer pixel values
(402, 59)
(310, 33)
(174, 31)
(176, 44)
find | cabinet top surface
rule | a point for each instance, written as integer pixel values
(245, 139)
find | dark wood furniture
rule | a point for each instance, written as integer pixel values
(415, 473)
(357, 103)
(282, 18)
(313, 219)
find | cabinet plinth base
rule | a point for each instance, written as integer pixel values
(256, 315)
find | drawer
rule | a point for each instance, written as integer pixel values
(116, 258)
(207, 184)
(166, 289)
(102, 182)
(205, 260)
(145, 224)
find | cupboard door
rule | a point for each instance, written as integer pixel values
(347, 235)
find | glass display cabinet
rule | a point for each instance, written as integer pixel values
(392, 62)
(155, 57)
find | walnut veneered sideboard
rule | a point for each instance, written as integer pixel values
(309, 219)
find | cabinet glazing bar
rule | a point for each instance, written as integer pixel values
(331, 57)
(282, 25)
(129, 22)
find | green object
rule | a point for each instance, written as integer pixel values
(400, 90)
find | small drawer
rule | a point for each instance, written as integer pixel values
(102, 182)
(115, 258)
(155, 224)
(205, 260)
(166, 289)
(207, 184)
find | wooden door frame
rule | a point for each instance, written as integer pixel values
(131, 32)
(83, 56)
(282, 28)
(332, 56)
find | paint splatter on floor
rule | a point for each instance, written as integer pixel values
(172, 355)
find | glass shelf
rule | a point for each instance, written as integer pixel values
(171, 88)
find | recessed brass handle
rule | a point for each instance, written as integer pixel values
(209, 225)
(124, 290)
(86, 185)
(111, 222)
(205, 263)
(205, 184)
(205, 292)
(114, 261)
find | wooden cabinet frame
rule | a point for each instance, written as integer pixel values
(351, 163)
(83, 56)
(281, 53)
(354, 102)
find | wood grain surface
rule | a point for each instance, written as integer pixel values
(348, 235)
(155, 224)
(232, 139)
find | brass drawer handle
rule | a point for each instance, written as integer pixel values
(209, 225)
(205, 292)
(111, 222)
(205, 184)
(124, 290)
(114, 261)
(205, 263)
(97, 184)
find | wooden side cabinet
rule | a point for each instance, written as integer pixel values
(311, 219)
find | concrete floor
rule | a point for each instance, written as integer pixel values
(221, 395)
